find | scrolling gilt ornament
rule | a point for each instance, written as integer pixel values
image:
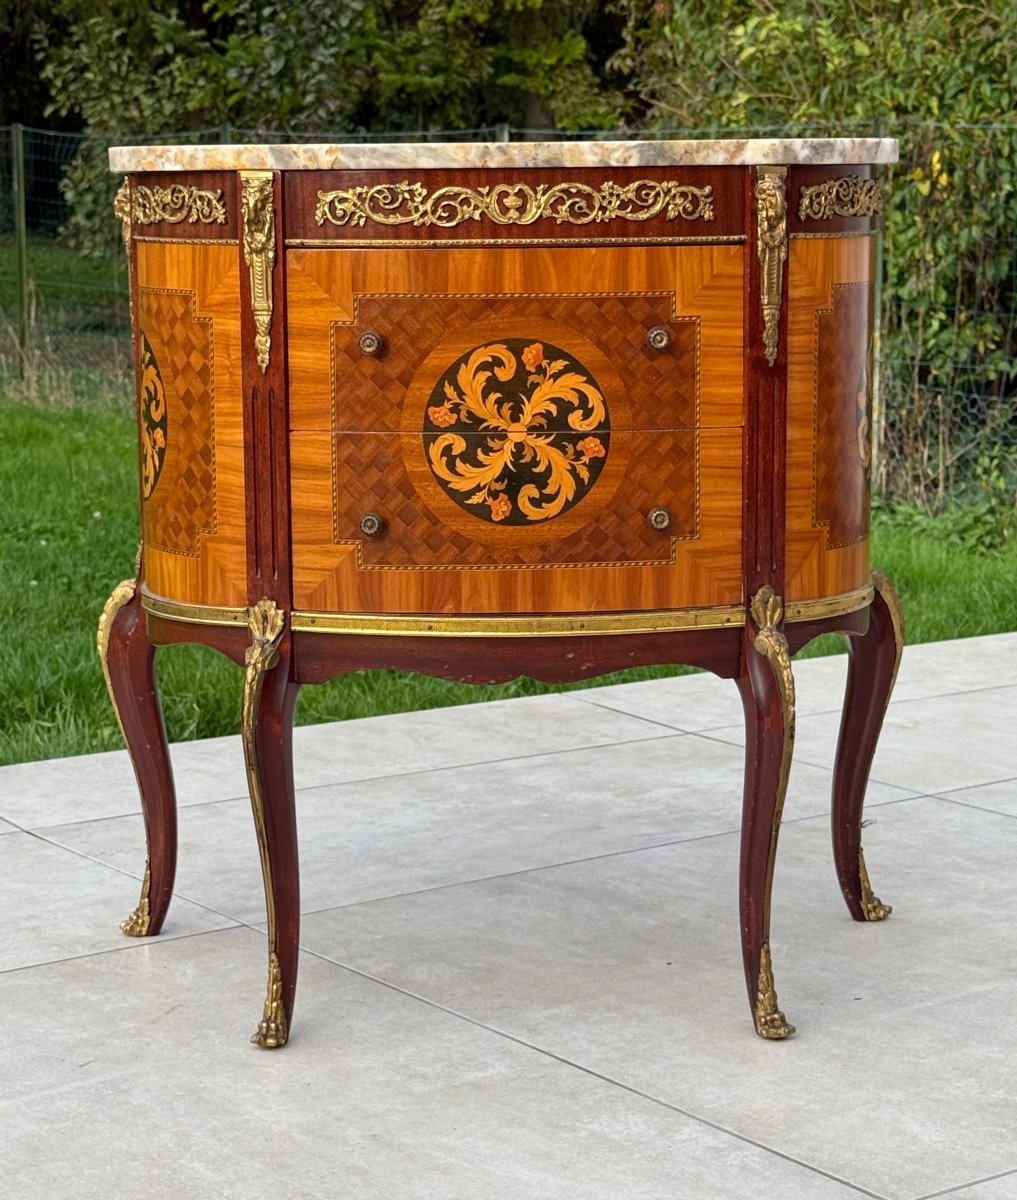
(175, 204)
(849, 196)
(771, 246)
(514, 203)
(516, 432)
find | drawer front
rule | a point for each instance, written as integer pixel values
(525, 445)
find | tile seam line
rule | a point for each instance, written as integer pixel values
(634, 1091)
(130, 943)
(569, 862)
(972, 807)
(174, 895)
(573, 862)
(960, 1187)
(667, 732)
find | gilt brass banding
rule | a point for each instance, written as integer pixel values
(415, 243)
(832, 606)
(408, 625)
(731, 616)
(194, 614)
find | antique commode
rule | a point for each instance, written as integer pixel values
(491, 410)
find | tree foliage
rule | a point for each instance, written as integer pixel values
(939, 74)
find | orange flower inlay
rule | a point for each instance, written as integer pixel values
(527, 431)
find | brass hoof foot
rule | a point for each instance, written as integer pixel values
(872, 907)
(137, 924)
(774, 1027)
(270, 1035)
(272, 1030)
(769, 1020)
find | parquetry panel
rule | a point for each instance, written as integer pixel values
(182, 505)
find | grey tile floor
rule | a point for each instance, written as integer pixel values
(521, 974)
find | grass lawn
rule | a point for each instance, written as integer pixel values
(69, 497)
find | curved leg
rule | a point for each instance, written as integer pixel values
(267, 728)
(874, 660)
(128, 663)
(767, 689)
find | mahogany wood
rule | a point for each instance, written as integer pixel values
(764, 752)
(273, 749)
(874, 656)
(131, 664)
(321, 656)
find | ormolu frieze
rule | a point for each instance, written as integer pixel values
(849, 196)
(516, 431)
(514, 203)
(176, 203)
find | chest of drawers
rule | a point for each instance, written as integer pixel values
(490, 410)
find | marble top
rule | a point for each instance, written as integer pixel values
(430, 155)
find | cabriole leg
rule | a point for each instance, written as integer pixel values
(767, 689)
(267, 728)
(872, 670)
(128, 663)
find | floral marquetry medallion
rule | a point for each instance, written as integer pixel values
(152, 405)
(516, 431)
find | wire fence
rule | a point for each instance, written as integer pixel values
(946, 403)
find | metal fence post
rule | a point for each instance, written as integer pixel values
(21, 242)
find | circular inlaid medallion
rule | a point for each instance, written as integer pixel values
(516, 431)
(152, 404)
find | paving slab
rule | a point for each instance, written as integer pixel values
(57, 904)
(138, 1081)
(94, 786)
(903, 1076)
(383, 837)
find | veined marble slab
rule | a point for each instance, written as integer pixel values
(431, 155)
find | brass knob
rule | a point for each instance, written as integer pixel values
(371, 524)
(658, 518)
(371, 342)
(658, 338)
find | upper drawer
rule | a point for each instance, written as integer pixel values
(528, 205)
(543, 336)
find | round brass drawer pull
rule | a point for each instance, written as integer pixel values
(371, 524)
(658, 338)
(658, 518)
(371, 342)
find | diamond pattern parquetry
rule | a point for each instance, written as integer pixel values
(369, 392)
(371, 476)
(843, 413)
(182, 505)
